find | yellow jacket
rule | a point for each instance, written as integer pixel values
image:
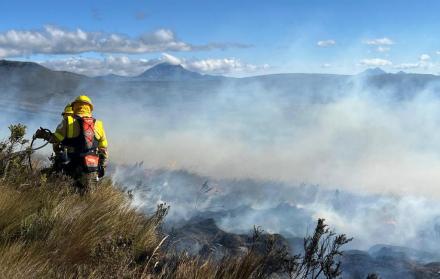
(70, 128)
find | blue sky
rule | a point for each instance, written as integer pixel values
(225, 37)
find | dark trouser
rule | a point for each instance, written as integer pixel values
(84, 180)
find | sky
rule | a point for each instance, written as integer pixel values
(235, 38)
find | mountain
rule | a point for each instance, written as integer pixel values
(32, 70)
(165, 85)
(34, 83)
(373, 72)
(9, 66)
(159, 72)
(171, 72)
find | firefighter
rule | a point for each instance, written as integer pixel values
(68, 111)
(86, 141)
(61, 159)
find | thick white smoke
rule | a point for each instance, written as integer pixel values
(381, 149)
(363, 142)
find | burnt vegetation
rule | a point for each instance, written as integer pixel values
(49, 230)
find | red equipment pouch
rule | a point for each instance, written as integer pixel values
(91, 162)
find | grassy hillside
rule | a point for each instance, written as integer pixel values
(48, 230)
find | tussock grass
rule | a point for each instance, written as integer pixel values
(49, 230)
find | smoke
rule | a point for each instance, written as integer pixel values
(364, 141)
(238, 205)
(377, 144)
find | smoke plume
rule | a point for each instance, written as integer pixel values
(371, 152)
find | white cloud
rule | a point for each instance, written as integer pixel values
(380, 42)
(223, 66)
(326, 43)
(171, 59)
(406, 66)
(383, 49)
(55, 40)
(126, 66)
(326, 65)
(425, 57)
(118, 65)
(376, 62)
(215, 66)
(424, 62)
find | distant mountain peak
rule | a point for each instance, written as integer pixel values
(167, 65)
(373, 72)
(166, 68)
(172, 72)
(168, 71)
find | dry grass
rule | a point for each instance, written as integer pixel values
(48, 230)
(52, 232)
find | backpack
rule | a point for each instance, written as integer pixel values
(86, 144)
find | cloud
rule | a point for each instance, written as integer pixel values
(376, 62)
(171, 59)
(425, 57)
(326, 65)
(380, 42)
(424, 62)
(406, 66)
(215, 65)
(224, 66)
(383, 49)
(118, 65)
(55, 40)
(326, 43)
(126, 66)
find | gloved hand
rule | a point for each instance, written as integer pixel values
(43, 134)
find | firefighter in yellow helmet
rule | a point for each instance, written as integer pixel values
(68, 111)
(85, 138)
(61, 151)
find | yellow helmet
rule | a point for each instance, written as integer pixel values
(68, 109)
(83, 99)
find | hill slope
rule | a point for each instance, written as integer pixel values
(50, 230)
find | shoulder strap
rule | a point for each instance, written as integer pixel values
(69, 127)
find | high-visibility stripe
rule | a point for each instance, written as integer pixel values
(103, 143)
(59, 136)
(69, 127)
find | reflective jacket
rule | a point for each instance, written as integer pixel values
(69, 128)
